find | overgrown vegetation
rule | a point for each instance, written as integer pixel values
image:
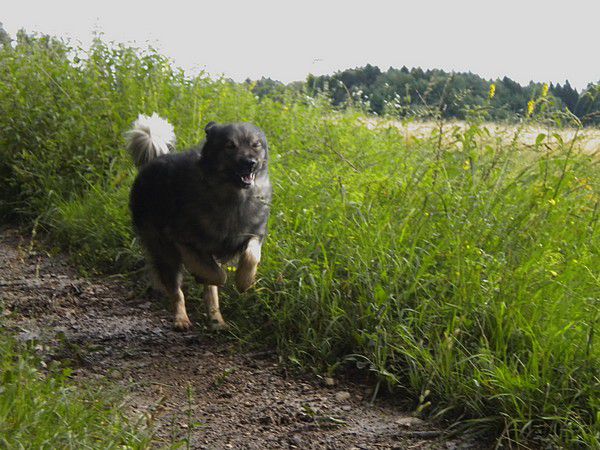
(462, 272)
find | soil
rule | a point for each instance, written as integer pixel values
(194, 385)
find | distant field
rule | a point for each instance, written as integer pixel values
(587, 139)
(461, 273)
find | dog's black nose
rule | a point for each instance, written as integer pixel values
(248, 164)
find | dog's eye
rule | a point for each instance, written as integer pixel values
(229, 144)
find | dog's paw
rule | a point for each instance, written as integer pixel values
(216, 325)
(245, 280)
(243, 286)
(182, 323)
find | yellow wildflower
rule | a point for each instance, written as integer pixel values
(545, 89)
(530, 107)
(492, 91)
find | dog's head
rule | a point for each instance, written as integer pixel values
(238, 152)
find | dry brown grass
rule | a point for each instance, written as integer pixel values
(587, 139)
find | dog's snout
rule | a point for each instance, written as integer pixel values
(248, 164)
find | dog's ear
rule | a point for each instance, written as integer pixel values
(210, 128)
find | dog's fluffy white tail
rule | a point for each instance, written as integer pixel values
(150, 137)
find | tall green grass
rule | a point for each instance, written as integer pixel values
(40, 408)
(465, 276)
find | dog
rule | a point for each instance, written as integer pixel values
(201, 208)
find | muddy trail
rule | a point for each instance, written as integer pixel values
(194, 385)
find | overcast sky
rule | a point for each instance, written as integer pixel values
(286, 40)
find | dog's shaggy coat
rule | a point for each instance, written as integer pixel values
(200, 208)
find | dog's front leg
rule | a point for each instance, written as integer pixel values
(182, 322)
(245, 274)
(203, 267)
(211, 300)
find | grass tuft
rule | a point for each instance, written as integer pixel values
(41, 408)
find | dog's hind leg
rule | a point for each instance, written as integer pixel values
(211, 300)
(246, 269)
(165, 264)
(171, 285)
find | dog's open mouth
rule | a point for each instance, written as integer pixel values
(247, 179)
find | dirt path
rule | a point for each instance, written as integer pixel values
(194, 385)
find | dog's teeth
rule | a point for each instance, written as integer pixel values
(248, 178)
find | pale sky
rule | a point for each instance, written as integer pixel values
(285, 40)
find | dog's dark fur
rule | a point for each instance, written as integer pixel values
(202, 208)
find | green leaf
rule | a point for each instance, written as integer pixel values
(540, 138)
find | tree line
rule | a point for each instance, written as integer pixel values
(408, 92)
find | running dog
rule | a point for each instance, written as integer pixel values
(201, 208)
